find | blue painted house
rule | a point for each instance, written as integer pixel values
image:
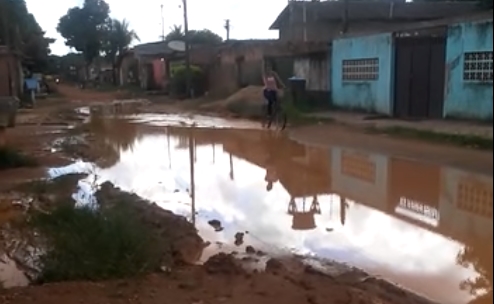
(361, 73)
(440, 71)
(468, 81)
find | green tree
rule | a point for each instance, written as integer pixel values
(176, 33)
(195, 37)
(118, 38)
(83, 29)
(20, 31)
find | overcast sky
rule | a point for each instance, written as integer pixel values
(249, 19)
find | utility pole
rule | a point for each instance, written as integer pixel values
(227, 28)
(162, 24)
(187, 51)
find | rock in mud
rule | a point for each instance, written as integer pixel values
(250, 250)
(239, 238)
(274, 266)
(223, 263)
(216, 225)
(180, 239)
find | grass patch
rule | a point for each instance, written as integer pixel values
(470, 141)
(95, 244)
(297, 116)
(12, 158)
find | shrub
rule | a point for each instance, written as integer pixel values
(178, 83)
(84, 243)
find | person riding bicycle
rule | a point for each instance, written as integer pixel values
(270, 92)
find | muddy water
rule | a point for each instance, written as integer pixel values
(425, 227)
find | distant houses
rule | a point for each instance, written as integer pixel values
(396, 58)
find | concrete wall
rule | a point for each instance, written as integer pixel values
(315, 70)
(9, 70)
(326, 31)
(471, 218)
(466, 99)
(369, 95)
(362, 177)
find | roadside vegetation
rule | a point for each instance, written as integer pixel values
(467, 141)
(11, 158)
(85, 243)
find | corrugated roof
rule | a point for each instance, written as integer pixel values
(153, 49)
(377, 10)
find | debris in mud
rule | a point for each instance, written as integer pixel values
(216, 225)
(239, 238)
(223, 263)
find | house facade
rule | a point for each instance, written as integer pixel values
(11, 77)
(468, 83)
(441, 70)
(327, 20)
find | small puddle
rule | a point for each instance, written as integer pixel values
(425, 227)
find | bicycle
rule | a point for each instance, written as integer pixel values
(278, 117)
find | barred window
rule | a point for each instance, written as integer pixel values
(477, 67)
(360, 69)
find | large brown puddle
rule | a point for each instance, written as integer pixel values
(425, 227)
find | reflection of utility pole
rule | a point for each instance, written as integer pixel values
(169, 151)
(187, 51)
(214, 153)
(227, 28)
(162, 24)
(192, 179)
(231, 168)
(195, 152)
(343, 206)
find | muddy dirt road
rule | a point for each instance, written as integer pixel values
(424, 223)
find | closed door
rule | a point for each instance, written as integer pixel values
(419, 77)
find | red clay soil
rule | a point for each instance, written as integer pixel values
(212, 284)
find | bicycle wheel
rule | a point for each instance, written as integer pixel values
(280, 120)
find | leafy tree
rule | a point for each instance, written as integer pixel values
(118, 38)
(83, 29)
(20, 31)
(195, 37)
(176, 33)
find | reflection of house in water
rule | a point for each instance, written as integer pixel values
(359, 176)
(465, 204)
(303, 171)
(303, 219)
(414, 191)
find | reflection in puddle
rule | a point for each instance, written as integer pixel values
(10, 274)
(425, 227)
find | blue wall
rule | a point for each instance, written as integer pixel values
(462, 99)
(374, 96)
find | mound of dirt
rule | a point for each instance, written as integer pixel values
(247, 101)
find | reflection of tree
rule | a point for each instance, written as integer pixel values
(112, 136)
(480, 258)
